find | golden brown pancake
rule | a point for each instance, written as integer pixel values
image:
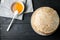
(45, 20)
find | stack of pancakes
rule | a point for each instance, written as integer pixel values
(45, 21)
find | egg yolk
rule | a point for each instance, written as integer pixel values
(17, 6)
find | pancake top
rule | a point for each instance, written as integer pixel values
(45, 20)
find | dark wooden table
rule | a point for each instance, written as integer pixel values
(21, 30)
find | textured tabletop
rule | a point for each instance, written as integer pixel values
(21, 30)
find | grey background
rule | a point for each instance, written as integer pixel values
(21, 30)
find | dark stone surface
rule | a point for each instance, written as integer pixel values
(21, 30)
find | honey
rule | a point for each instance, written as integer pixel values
(17, 6)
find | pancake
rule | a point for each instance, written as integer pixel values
(45, 21)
